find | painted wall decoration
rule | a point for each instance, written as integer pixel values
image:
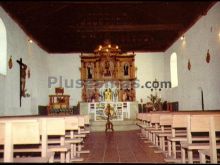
(208, 57)
(10, 63)
(189, 65)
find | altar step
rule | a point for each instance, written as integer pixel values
(126, 125)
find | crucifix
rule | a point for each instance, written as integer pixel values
(23, 68)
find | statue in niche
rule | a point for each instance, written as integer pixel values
(107, 71)
(126, 69)
(116, 92)
(132, 95)
(124, 95)
(97, 95)
(84, 97)
(108, 95)
(128, 95)
(89, 71)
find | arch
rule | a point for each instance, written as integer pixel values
(173, 70)
(3, 48)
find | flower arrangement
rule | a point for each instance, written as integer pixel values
(155, 101)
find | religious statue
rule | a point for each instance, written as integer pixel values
(108, 95)
(107, 69)
(97, 95)
(132, 95)
(126, 70)
(89, 69)
(116, 95)
(124, 96)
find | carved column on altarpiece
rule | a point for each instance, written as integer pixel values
(117, 69)
(131, 69)
(84, 95)
(120, 91)
(84, 71)
(97, 70)
(133, 91)
(120, 70)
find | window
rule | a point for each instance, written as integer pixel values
(173, 70)
(3, 49)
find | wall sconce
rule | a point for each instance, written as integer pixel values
(31, 41)
(182, 37)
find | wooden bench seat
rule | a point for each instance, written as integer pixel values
(177, 139)
(22, 132)
(196, 146)
(31, 160)
(177, 132)
(204, 142)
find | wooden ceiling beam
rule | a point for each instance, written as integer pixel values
(124, 28)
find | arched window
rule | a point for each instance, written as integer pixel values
(3, 49)
(173, 70)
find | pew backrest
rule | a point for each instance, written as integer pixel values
(71, 123)
(166, 119)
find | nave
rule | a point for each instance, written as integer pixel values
(119, 147)
(110, 82)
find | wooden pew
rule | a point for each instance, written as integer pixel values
(72, 124)
(50, 127)
(211, 152)
(18, 132)
(83, 132)
(196, 124)
(161, 136)
(180, 123)
(64, 148)
(143, 121)
(153, 126)
(178, 133)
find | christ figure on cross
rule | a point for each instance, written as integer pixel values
(23, 68)
(23, 79)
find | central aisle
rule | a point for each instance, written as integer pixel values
(124, 146)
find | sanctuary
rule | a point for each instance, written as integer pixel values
(108, 75)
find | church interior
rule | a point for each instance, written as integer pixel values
(110, 82)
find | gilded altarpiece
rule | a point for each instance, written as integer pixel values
(108, 75)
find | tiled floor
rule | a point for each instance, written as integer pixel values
(119, 147)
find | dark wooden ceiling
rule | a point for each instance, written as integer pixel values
(74, 26)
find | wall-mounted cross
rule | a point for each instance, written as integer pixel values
(23, 68)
